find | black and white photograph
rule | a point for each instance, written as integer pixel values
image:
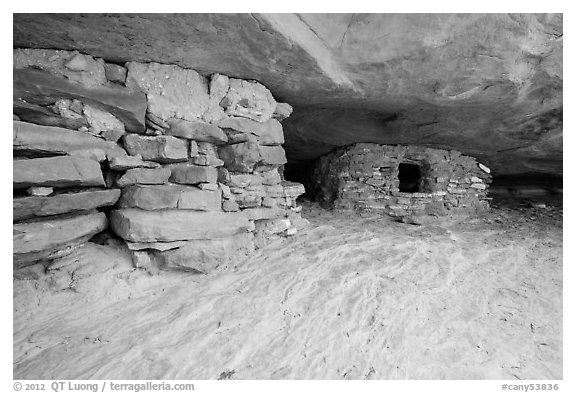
(235, 196)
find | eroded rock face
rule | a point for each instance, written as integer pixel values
(489, 85)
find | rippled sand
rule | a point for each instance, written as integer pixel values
(350, 297)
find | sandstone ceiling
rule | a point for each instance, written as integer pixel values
(487, 85)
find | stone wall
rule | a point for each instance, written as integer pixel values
(366, 176)
(186, 169)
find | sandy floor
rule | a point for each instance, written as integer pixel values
(349, 297)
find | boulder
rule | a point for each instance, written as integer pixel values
(39, 206)
(172, 91)
(268, 133)
(241, 157)
(34, 140)
(206, 256)
(193, 174)
(197, 130)
(170, 197)
(49, 239)
(39, 87)
(171, 225)
(248, 99)
(144, 176)
(61, 171)
(163, 149)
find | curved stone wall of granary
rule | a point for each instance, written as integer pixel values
(185, 169)
(401, 180)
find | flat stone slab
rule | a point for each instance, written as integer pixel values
(138, 225)
(40, 206)
(144, 176)
(197, 130)
(268, 133)
(193, 174)
(170, 196)
(163, 149)
(60, 171)
(48, 239)
(128, 162)
(28, 138)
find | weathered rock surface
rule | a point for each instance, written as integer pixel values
(206, 256)
(38, 206)
(163, 149)
(61, 171)
(489, 85)
(32, 139)
(39, 87)
(197, 130)
(53, 238)
(170, 197)
(172, 91)
(144, 176)
(171, 225)
(193, 174)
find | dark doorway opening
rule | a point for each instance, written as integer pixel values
(410, 177)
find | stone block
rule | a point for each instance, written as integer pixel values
(241, 157)
(32, 139)
(193, 174)
(137, 225)
(56, 172)
(248, 99)
(56, 237)
(40, 206)
(172, 92)
(144, 176)
(197, 131)
(268, 133)
(282, 111)
(163, 149)
(121, 163)
(115, 73)
(273, 155)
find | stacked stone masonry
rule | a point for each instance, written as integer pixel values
(366, 176)
(186, 169)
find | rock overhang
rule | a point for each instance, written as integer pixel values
(488, 85)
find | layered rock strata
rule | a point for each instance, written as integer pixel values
(367, 176)
(185, 169)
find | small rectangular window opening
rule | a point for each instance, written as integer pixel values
(410, 177)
